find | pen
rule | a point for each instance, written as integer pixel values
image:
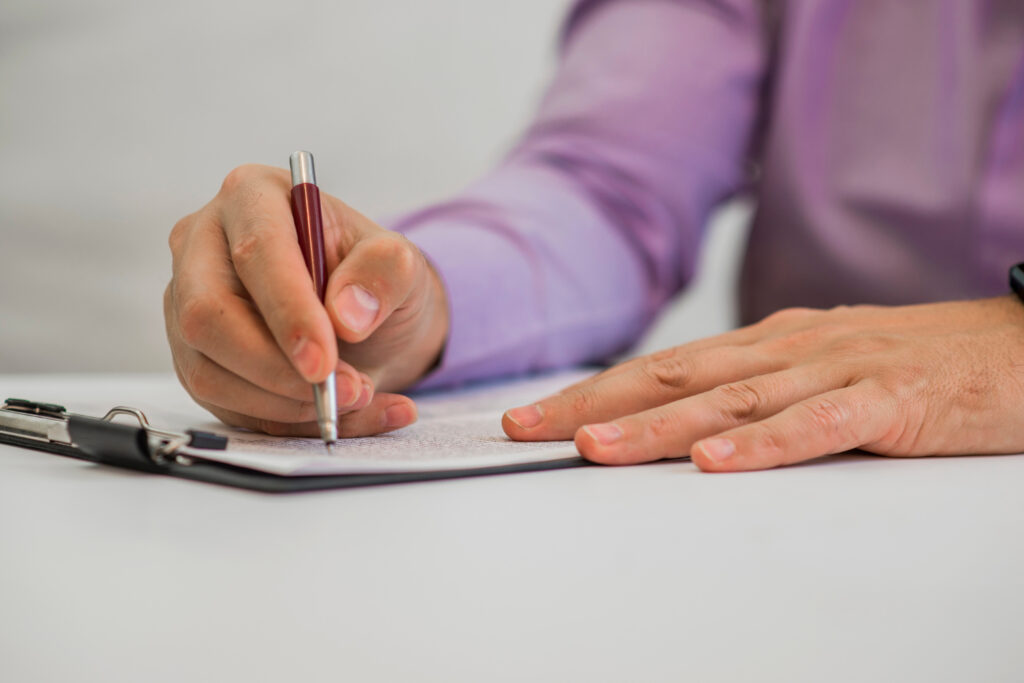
(309, 227)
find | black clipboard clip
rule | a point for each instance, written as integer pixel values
(52, 427)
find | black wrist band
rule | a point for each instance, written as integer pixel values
(1017, 280)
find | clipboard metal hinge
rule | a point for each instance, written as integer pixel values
(163, 446)
(102, 438)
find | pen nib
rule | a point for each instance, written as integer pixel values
(327, 446)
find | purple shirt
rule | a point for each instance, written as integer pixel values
(882, 139)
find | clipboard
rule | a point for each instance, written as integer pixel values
(140, 446)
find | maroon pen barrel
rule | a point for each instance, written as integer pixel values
(309, 228)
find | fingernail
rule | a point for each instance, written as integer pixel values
(606, 434)
(307, 356)
(718, 450)
(397, 415)
(526, 417)
(356, 308)
(348, 391)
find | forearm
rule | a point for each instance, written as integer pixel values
(519, 256)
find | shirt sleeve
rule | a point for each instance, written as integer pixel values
(565, 252)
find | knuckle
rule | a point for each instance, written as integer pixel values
(178, 234)
(788, 315)
(249, 245)
(168, 300)
(657, 356)
(856, 345)
(662, 425)
(826, 415)
(399, 253)
(740, 400)
(795, 344)
(238, 178)
(904, 430)
(670, 373)
(407, 258)
(582, 401)
(192, 378)
(847, 310)
(195, 318)
(767, 442)
(200, 382)
(808, 337)
(907, 379)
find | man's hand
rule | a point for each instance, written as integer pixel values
(249, 335)
(936, 379)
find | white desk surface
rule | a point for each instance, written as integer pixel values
(850, 569)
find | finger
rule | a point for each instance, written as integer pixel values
(832, 422)
(209, 314)
(670, 430)
(775, 325)
(264, 250)
(377, 276)
(742, 336)
(366, 392)
(655, 381)
(385, 413)
(208, 382)
(212, 386)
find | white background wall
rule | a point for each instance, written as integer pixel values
(117, 117)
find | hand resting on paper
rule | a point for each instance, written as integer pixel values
(934, 379)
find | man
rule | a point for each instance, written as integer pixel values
(885, 143)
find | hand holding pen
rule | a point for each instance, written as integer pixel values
(249, 335)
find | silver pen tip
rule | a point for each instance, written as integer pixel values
(328, 431)
(326, 409)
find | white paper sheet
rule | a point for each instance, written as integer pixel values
(455, 430)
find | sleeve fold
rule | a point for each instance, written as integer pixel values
(565, 252)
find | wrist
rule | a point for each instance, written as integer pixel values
(438, 327)
(423, 350)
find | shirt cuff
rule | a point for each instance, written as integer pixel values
(494, 317)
